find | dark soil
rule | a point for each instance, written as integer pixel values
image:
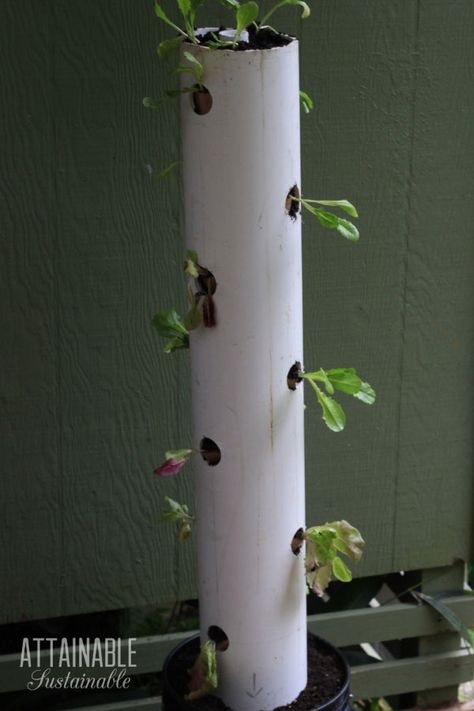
(258, 39)
(326, 676)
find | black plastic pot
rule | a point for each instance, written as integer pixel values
(185, 653)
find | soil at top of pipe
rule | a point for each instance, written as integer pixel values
(327, 676)
(264, 38)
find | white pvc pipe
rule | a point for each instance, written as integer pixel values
(240, 160)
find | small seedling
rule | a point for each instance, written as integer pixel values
(328, 219)
(345, 380)
(179, 514)
(175, 459)
(170, 325)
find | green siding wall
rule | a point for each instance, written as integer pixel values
(91, 247)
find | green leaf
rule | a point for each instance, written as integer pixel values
(366, 394)
(319, 579)
(306, 102)
(150, 103)
(168, 169)
(197, 68)
(455, 622)
(328, 219)
(343, 204)
(176, 343)
(203, 675)
(348, 540)
(245, 15)
(193, 318)
(306, 10)
(345, 379)
(333, 414)
(159, 12)
(184, 7)
(168, 46)
(179, 514)
(327, 383)
(178, 453)
(347, 230)
(168, 323)
(320, 544)
(340, 570)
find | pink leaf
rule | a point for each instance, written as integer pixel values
(170, 467)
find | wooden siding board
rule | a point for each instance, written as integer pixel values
(435, 449)
(411, 674)
(357, 139)
(94, 249)
(30, 417)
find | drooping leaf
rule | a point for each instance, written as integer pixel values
(306, 102)
(245, 15)
(347, 230)
(333, 414)
(203, 675)
(168, 46)
(340, 570)
(198, 69)
(328, 219)
(305, 13)
(366, 394)
(450, 616)
(319, 579)
(348, 539)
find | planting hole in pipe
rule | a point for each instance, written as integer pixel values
(207, 284)
(293, 206)
(210, 452)
(294, 375)
(297, 541)
(202, 99)
(217, 635)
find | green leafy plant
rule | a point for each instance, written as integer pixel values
(345, 380)
(322, 560)
(170, 325)
(245, 14)
(203, 674)
(179, 515)
(328, 219)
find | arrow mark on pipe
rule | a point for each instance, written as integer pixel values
(255, 691)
